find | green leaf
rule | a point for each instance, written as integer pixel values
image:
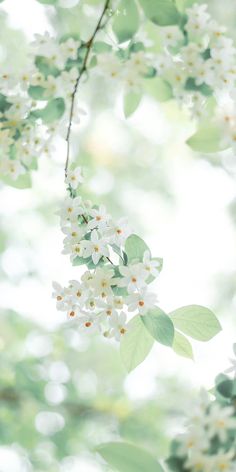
(101, 47)
(135, 344)
(131, 103)
(126, 20)
(208, 138)
(52, 112)
(37, 92)
(22, 182)
(135, 248)
(48, 2)
(182, 346)
(4, 104)
(125, 457)
(159, 326)
(159, 89)
(225, 388)
(203, 88)
(161, 12)
(45, 67)
(196, 321)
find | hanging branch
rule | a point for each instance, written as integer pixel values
(89, 45)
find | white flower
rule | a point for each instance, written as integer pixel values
(194, 440)
(20, 106)
(203, 72)
(118, 325)
(99, 219)
(141, 301)
(220, 421)
(44, 45)
(78, 292)
(60, 295)
(13, 168)
(74, 178)
(133, 277)
(224, 461)
(102, 282)
(199, 462)
(118, 231)
(75, 250)
(87, 279)
(71, 208)
(69, 49)
(171, 35)
(110, 65)
(89, 322)
(152, 266)
(74, 234)
(96, 247)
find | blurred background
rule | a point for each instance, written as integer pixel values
(62, 394)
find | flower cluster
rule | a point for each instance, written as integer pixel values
(35, 104)
(209, 445)
(119, 264)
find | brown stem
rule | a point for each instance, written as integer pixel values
(89, 45)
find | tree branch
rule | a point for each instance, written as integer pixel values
(89, 45)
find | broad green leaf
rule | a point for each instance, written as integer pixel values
(22, 182)
(161, 12)
(37, 92)
(135, 248)
(159, 326)
(225, 388)
(208, 138)
(135, 344)
(159, 89)
(131, 103)
(126, 20)
(196, 321)
(125, 457)
(52, 112)
(182, 346)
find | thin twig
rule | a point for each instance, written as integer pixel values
(89, 45)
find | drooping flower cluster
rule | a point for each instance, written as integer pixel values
(119, 264)
(197, 63)
(35, 104)
(209, 445)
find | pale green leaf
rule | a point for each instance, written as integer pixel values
(208, 138)
(159, 89)
(159, 326)
(125, 457)
(135, 248)
(37, 92)
(161, 12)
(52, 112)
(131, 103)
(196, 321)
(48, 2)
(22, 182)
(126, 20)
(182, 346)
(135, 344)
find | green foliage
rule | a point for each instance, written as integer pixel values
(208, 138)
(51, 112)
(159, 89)
(131, 102)
(37, 92)
(125, 457)
(136, 344)
(22, 182)
(182, 346)
(135, 248)
(126, 21)
(159, 326)
(196, 321)
(100, 47)
(45, 67)
(4, 104)
(161, 12)
(48, 2)
(203, 88)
